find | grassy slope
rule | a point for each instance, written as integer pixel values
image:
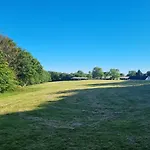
(76, 115)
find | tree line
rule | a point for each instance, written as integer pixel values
(19, 68)
(96, 73)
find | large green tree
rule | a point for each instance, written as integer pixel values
(10, 50)
(25, 67)
(115, 74)
(97, 73)
(29, 70)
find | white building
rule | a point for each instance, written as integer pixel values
(148, 78)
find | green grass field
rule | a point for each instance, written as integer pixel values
(79, 115)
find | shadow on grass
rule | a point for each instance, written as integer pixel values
(110, 118)
(122, 83)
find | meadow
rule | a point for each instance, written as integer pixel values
(77, 115)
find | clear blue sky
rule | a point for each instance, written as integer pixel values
(67, 35)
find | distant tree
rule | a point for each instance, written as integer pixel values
(79, 73)
(139, 73)
(65, 76)
(106, 75)
(131, 73)
(72, 75)
(148, 73)
(97, 73)
(89, 75)
(55, 76)
(122, 74)
(58, 76)
(115, 74)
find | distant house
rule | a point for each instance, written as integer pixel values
(106, 78)
(79, 78)
(124, 78)
(148, 78)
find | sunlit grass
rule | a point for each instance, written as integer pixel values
(28, 98)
